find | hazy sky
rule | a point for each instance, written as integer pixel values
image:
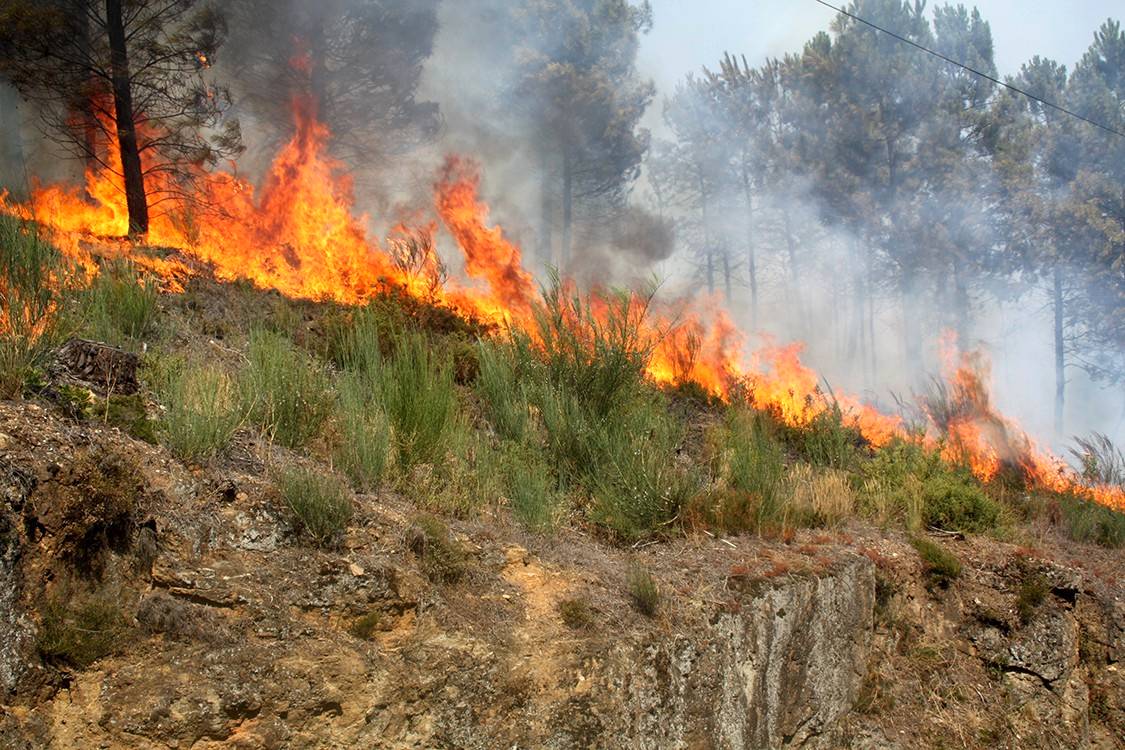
(690, 33)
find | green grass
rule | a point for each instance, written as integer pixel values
(34, 294)
(201, 409)
(749, 463)
(503, 389)
(78, 632)
(283, 390)
(826, 441)
(320, 504)
(120, 306)
(643, 590)
(1032, 593)
(1086, 521)
(419, 397)
(954, 501)
(363, 447)
(441, 557)
(532, 490)
(941, 565)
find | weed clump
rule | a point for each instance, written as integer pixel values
(320, 504)
(34, 294)
(201, 409)
(283, 391)
(77, 633)
(442, 558)
(363, 447)
(643, 590)
(365, 627)
(577, 614)
(1032, 592)
(120, 307)
(954, 502)
(941, 566)
(417, 392)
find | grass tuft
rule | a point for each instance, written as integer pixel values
(321, 505)
(283, 391)
(120, 307)
(364, 440)
(417, 391)
(34, 292)
(442, 558)
(643, 590)
(201, 410)
(941, 565)
(79, 632)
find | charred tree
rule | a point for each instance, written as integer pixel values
(132, 171)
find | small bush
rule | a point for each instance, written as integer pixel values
(532, 490)
(577, 614)
(1087, 521)
(503, 390)
(201, 411)
(127, 413)
(365, 627)
(637, 482)
(442, 559)
(955, 502)
(818, 498)
(354, 343)
(826, 441)
(1032, 592)
(120, 307)
(283, 391)
(417, 391)
(34, 292)
(1102, 462)
(365, 435)
(320, 504)
(643, 590)
(942, 566)
(79, 632)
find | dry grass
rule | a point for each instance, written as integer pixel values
(822, 496)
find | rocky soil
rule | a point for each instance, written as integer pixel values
(229, 632)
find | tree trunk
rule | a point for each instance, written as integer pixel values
(568, 208)
(726, 275)
(11, 145)
(708, 250)
(751, 255)
(135, 197)
(1060, 353)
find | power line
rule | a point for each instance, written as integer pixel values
(974, 71)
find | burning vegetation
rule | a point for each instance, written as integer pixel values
(298, 232)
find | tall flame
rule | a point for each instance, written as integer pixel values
(301, 236)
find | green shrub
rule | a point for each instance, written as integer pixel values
(442, 559)
(34, 292)
(1032, 592)
(755, 467)
(955, 502)
(826, 441)
(577, 614)
(201, 410)
(365, 627)
(594, 347)
(365, 435)
(417, 391)
(643, 590)
(78, 632)
(283, 390)
(320, 504)
(120, 307)
(354, 342)
(127, 413)
(532, 490)
(503, 390)
(638, 484)
(942, 566)
(1087, 521)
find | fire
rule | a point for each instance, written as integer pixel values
(301, 236)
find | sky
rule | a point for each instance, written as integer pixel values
(688, 34)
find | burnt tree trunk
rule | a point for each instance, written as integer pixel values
(135, 198)
(1060, 352)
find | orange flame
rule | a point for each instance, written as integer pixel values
(301, 236)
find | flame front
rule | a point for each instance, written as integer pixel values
(302, 237)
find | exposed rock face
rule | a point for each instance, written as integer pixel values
(241, 636)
